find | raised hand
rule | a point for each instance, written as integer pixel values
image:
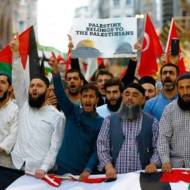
(14, 45)
(70, 44)
(54, 64)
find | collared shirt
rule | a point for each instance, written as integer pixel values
(128, 159)
(155, 106)
(8, 125)
(103, 111)
(78, 150)
(174, 136)
(40, 131)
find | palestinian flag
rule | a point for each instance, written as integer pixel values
(28, 52)
(130, 181)
(6, 60)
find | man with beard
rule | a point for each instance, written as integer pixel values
(8, 121)
(168, 76)
(174, 141)
(127, 139)
(40, 126)
(101, 77)
(149, 84)
(113, 88)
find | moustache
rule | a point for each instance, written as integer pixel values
(167, 80)
(186, 96)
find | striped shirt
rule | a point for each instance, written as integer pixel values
(174, 139)
(128, 159)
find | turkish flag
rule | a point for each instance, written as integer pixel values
(173, 34)
(150, 51)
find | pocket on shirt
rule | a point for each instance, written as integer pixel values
(46, 126)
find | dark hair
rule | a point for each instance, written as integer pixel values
(103, 72)
(74, 71)
(9, 78)
(114, 82)
(147, 79)
(81, 76)
(182, 77)
(170, 65)
(90, 86)
(43, 78)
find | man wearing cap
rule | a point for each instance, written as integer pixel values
(127, 140)
(40, 126)
(148, 83)
(174, 141)
(8, 121)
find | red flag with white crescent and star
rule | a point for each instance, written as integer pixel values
(151, 50)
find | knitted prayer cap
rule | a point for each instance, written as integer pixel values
(183, 76)
(147, 79)
(136, 86)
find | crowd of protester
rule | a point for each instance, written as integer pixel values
(108, 125)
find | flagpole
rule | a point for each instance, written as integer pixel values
(168, 41)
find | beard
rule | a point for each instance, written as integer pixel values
(2, 98)
(130, 112)
(114, 108)
(184, 105)
(168, 84)
(37, 102)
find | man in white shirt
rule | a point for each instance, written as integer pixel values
(113, 89)
(40, 126)
(8, 121)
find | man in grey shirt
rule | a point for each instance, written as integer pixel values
(174, 134)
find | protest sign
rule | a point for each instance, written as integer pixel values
(114, 37)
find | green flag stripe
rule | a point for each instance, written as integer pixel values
(5, 67)
(48, 70)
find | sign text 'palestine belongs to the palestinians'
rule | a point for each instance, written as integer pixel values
(113, 37)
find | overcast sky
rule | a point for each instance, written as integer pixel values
(54, 21)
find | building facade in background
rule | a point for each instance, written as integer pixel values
(126, 8)
(15, 16)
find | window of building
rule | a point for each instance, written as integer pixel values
(128, 2)
(21, 25)
(23, 2)
(116, 3)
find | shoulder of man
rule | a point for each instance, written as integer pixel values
(171, 106)
(13, 107)
(52, 110)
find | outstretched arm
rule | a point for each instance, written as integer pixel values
(130, 73)
(19, 80)
(65, 104)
